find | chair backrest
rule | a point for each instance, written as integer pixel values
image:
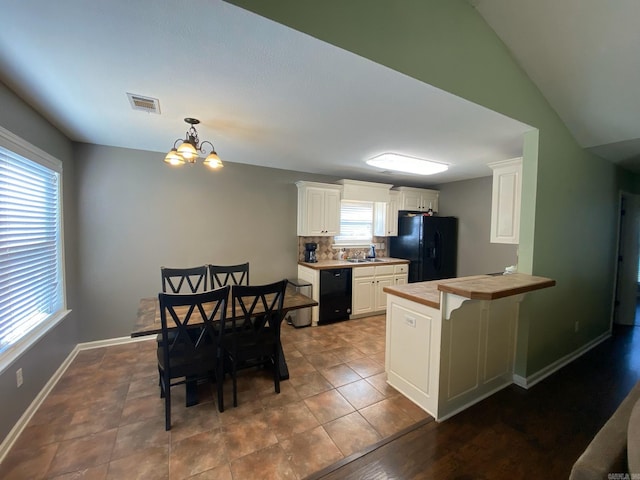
(258, 308)
(221, 275)
(194, 319)
(184, 280)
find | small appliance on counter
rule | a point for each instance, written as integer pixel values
(372, 252)
(310, 252)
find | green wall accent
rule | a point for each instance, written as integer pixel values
(570, 196)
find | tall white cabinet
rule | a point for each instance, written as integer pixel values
(318, 209)
(506, 200)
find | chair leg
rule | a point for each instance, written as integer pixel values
(235, 383)
(276, 370)
(160, 383)
(167, 402)
(219, 384)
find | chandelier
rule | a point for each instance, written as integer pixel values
(190, 148)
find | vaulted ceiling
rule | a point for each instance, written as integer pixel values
(268, 95)
(583, 56)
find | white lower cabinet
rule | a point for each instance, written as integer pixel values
(368, 284)
(400, 274)
(381, 297)
(363, 294)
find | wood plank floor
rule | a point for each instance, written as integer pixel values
(516, 433)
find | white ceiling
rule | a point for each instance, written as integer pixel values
(584, 57)
(268, 95)
(265, 94)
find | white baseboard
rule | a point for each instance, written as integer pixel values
(531, 380)
(113, 341)
(21, 424)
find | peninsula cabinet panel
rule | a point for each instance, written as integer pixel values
(411, 330)
(500, 339)
(478, 343)
(461, 368)
(413, 335)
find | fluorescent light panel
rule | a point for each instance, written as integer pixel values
(403, 163)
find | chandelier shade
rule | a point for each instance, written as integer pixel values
(190, 149)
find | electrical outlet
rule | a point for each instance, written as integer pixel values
(19, 379)
(577, 326)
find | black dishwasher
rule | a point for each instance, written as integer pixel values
(335, 295)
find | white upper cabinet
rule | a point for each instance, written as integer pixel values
(505, 201)
(385, 221)
(355, 190)
(418, 199)
(318, 209)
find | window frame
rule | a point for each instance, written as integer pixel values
(341, 242)
(21, 147)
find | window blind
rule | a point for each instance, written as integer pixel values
(30, 246)
(356, 222)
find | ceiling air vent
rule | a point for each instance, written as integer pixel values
(146, 104)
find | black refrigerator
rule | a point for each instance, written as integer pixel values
(429, 243)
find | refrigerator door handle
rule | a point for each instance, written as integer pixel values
(437, 244)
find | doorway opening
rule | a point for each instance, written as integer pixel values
(626, 302)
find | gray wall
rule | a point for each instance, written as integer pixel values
(136, 214)
(470, 201)
(41, 361)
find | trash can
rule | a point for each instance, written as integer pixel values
(302, 316)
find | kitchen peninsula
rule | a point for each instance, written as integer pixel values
(450, 343)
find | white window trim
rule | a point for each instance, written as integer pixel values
(354, 242)
(12, 142)
(338, 245)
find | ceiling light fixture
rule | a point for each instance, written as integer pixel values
(403, 163)
(190, 147)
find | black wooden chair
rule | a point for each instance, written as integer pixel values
(252, 335)
(184, 280)
(221, 275)
(192, 351)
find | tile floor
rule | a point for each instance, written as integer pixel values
(105, 419)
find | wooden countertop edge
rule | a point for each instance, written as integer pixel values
(327, 264)
(428, 293)
(477, 295)
(413, 298)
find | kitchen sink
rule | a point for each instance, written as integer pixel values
(363, 260)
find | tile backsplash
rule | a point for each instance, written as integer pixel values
(326, 251)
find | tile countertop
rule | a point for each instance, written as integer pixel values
(325, 264)
(477, 287)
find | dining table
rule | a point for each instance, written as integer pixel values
(148, 322)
